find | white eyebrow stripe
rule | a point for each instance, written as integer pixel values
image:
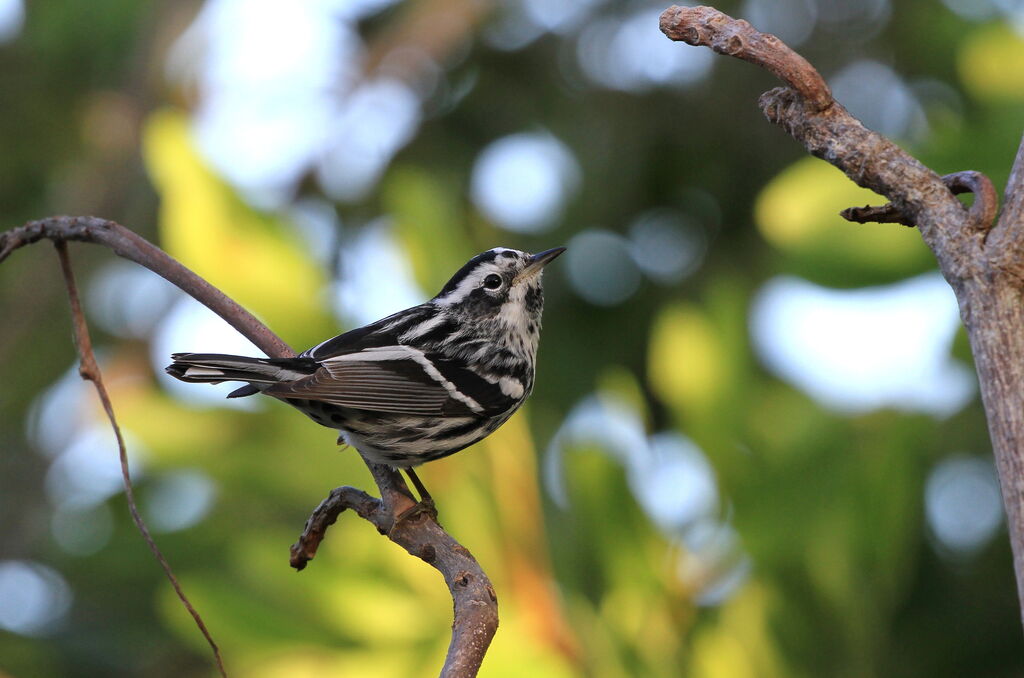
(471, 282)
(383, 353)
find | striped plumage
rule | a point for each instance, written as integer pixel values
(420, 384)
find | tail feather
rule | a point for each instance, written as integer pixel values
(213, 368)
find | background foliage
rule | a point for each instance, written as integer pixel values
(755, 447)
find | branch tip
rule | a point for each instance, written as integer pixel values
(708, 27)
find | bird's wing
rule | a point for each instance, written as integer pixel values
(402, 380)
(383, 332)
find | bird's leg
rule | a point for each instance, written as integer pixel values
(426, 502)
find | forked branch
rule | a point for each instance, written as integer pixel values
(984, 264)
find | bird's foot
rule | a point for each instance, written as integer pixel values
(425, 506)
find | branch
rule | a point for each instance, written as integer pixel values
(134, 247)
(90, 371)
(983, 264)
(708, 27)
(476, 616)
(476, 612)
(982, 212)
(808, 113)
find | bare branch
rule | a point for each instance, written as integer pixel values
(982, 212)
(134, 247)
(90, 371)
(1013, 212)
(476, 610)
(984, 265)
(368, 508)
(807, 111)
(708, 27)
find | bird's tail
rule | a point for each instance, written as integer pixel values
(213, 368)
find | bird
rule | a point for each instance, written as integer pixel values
(420, 384)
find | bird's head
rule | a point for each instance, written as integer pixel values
(500, 282)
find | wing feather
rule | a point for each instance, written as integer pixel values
(397, 379)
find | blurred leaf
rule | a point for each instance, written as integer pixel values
(429, 222)
(251, 257)
(686, 363)
(798, 213)
(991, 63)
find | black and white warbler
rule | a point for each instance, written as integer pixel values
(417, 385)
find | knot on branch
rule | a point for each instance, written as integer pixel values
(708, 27)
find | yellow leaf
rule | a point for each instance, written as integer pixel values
(686, 363)
(991, 63)
(251, 257)
(798, 212)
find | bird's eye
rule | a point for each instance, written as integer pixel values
(492, 282)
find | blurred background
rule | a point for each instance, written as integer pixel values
(755, 447)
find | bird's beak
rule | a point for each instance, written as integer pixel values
(539, 261)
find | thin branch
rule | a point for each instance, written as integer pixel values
(134, 247)
(476, 611)
(368, 508)
(982, 212)
(90, 371)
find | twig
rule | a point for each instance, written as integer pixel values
(476, 610)
(368, 508)
(983, 264)
(90, 371)
(982, 211)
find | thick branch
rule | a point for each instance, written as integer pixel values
(1008, 234)
(983, 264)
(708, 27)
(476, 616)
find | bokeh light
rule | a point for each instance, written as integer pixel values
(191, 327)
(373, 122)
(523, 181)
(667, 245)
(376, 277)
(33, 597)
(963, 504)
(178, 500)
(792, 21)
(859, 350)
(89, 470)
(854, 19)
(674, 483)
(631, 54)
(82, 531)
(601, 268)
(872, 92)
(12, 17)
(670, 478)
(128, 300)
